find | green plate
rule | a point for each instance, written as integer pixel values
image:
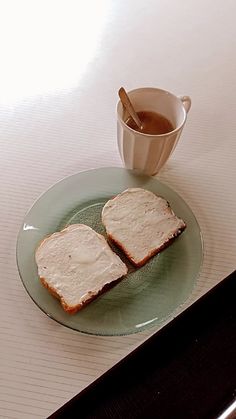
(147, 295)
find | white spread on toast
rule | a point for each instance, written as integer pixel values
(140, 222)
(77, 263)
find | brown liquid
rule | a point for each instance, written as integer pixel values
(152, 123)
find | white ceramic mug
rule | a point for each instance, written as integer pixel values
(144, 152)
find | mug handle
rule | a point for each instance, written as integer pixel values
(186, 102)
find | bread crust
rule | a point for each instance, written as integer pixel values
(91, 296)
(150, 254)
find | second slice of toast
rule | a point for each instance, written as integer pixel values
(140, 223)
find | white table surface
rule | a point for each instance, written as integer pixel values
(62, 63)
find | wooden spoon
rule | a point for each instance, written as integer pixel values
(129, 107)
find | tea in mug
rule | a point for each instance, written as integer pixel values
(153, 123)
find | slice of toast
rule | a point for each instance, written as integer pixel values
(76, 265)
(140, 223)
